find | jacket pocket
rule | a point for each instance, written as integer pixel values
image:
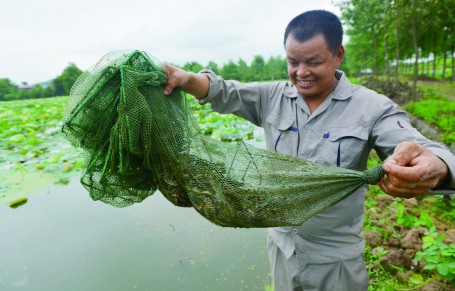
(350, 146)
(284, 134)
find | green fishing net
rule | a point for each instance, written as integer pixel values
(137, 141)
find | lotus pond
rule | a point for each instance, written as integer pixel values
(54, 237)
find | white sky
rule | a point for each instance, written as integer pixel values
(39, 38)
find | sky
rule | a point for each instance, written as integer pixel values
(39, 39)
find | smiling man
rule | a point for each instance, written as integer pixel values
(320, 116)
(311, 67)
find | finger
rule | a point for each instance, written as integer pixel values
(401, 192)
(411, 174)
(403, 154)
(409, 184)
(169, 69)
(168, 89)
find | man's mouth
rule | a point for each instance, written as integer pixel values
(305, 83)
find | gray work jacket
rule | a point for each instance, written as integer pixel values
(340, 132)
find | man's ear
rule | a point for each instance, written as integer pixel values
(339, 55)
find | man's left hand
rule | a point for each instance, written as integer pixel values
(412, 170)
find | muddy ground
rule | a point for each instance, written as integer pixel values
(401, 243)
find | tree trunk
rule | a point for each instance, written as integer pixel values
(444, 65)
(416, 52)
(375, 71)
(422, 68)
(453, 60)
(428, 65)
(434, 66)
(397, 49)
(387, 62)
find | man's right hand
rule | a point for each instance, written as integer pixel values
(192, 83)
(176, 77)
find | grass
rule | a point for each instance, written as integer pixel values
(440, 113)
(437, 107)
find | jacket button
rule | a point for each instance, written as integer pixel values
(295, 230)
(307, 126)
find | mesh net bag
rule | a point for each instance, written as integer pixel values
(137, 140)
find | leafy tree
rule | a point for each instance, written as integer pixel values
(214, 67)
(365, 24)
(258, 68)
(63, 83)
(25, 94)
(244, 74)
(276, 68)
(399, 32)
(230, 71)
(11, 96)
(193, 67)
(39, 91)
(7, 88)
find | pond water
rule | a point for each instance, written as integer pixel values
(62, 240)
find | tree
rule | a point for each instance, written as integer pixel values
(244, 74)
(39, 91)
(213, 67)
(192, 67)
(396, 31)
(258, 68)
(7, 88)
(230, 71)
(276, 67)
(63, 83)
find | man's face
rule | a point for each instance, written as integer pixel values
(311, 66)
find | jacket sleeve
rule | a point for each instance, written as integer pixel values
(392, 126)
(247, 100)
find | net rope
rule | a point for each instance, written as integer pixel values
(137, 140)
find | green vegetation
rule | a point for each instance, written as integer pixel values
(400, 38)
(58, 87)
(437, 255)
(34, 148)
(275, 68)
(407, 249)
(400, 33)
(63, 83)
(227, 127)
(421, 228)
(397, 38)
(439, 113)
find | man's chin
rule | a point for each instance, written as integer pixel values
(306, 93)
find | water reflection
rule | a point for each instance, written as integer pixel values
(62, 240)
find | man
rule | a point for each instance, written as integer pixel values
(322, 117)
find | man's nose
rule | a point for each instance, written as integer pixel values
(302, 70)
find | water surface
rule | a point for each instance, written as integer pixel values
(62, 240)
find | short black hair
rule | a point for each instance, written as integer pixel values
(314, 22)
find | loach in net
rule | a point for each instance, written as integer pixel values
(138, 140)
